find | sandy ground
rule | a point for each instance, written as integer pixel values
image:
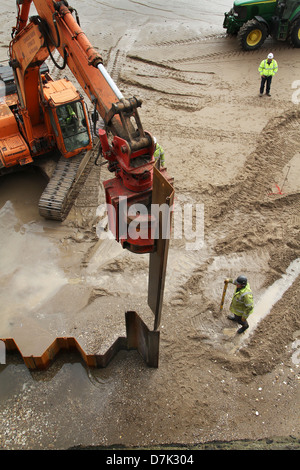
(234, 154)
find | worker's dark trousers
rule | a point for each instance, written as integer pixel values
(262, 84)
(240, 321)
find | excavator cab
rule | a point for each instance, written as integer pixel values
(71, 125)
(69, 119)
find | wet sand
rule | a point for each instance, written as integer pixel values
(228, 150)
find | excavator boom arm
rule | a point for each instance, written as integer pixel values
(61, 31)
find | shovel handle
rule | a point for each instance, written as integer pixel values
(224, 293)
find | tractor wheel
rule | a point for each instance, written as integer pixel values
(295, 34)
(252, 35)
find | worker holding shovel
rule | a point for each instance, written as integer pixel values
(242, 302)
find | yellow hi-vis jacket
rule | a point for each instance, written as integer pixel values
(159, 153)
(268, 69)
(71, 113)
(242, 302)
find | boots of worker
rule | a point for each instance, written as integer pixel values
(238, 320)
(242, 329)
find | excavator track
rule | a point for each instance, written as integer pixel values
(65, 184)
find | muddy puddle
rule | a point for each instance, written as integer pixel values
(29, 269)
(22, 190)
(60, 280)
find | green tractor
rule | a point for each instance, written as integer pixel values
(254, 21)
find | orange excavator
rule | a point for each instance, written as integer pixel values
(42, 117)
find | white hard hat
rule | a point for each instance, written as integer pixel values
(270, 56)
